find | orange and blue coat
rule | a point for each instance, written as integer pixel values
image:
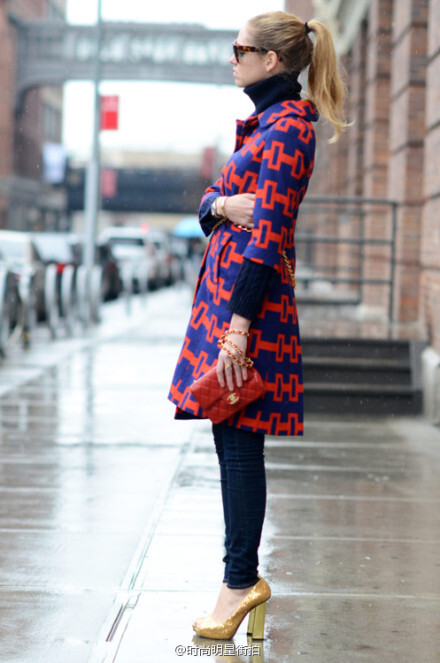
(273, 158)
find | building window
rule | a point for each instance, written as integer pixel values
(51, 123)
(54, 12)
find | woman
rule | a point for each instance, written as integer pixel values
(245, 291)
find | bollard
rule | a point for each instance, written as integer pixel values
(51, 299)
(4, 312)
(68, 297)
(28, 308)
(96, 293)
(81, 292)
(127, 275)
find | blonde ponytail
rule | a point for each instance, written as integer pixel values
(326, 88)
(289, 36)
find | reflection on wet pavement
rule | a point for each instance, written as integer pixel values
(88, 448)
(111, 521)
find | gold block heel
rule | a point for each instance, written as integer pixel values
(254, 605)
(256, 622)
(251, 622)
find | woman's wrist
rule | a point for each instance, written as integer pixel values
(240, 323)
(225, 200)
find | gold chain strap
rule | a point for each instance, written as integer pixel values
(218, 224)
(290, 270)
(285, 258)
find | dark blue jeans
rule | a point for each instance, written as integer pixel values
(243, 484)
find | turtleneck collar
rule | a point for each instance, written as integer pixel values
(274, 89)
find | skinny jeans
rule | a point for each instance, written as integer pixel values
(243, 486)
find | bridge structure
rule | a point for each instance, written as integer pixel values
(52, 53)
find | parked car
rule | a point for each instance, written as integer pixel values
(164, 272)
(9, 304)
(111, 276)
(106, 259)
(55, 248)
(178, 251)
(135, 253)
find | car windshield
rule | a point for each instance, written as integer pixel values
(128, 251)
(13, 249)
(53, 248)
(128, 241)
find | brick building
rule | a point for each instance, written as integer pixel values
(26, 201)
(391, 52)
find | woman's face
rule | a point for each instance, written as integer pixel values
(251, 67)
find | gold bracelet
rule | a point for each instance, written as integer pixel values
(242, 359)
(236, 331)
(220, 207)
(245, 363)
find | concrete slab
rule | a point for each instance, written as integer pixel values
(38, 627)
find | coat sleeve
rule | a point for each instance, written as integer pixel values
(286, 167)
(207, 221)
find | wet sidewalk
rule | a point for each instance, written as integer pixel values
(111, 521)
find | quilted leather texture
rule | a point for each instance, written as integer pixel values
(220, 403)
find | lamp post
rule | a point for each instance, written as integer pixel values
(92, 185)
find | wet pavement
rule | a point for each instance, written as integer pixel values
(111, 521)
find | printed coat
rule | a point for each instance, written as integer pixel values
(273, 158)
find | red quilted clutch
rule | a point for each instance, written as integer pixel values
(220, 403)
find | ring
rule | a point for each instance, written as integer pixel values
(228, 365)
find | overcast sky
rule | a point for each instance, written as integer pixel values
(143, 122)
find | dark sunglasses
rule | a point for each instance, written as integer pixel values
(239, 49)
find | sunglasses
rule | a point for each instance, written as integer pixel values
(239, 50)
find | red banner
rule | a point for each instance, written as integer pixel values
(109, 113)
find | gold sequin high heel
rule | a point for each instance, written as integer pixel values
(253, 604)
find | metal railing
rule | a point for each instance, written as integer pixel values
(357, 224)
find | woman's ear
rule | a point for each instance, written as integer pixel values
(272, 61)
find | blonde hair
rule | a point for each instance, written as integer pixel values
(286, 34)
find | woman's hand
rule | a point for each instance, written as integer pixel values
(240, 209)
(227, 368)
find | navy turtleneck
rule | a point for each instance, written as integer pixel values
(274, 89)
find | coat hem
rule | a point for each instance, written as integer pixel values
(182, 415)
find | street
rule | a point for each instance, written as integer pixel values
(111, 521)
